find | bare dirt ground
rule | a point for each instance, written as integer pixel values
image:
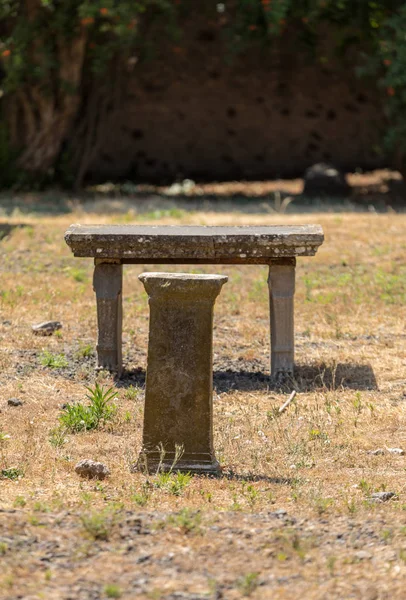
(292, 514)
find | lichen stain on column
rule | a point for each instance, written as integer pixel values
(179, 384)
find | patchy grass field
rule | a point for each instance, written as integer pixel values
(292, 515)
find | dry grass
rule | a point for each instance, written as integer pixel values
(312, 460)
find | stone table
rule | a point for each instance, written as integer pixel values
(111, 246)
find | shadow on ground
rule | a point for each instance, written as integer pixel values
(7, 228)
(340, 375)
(232, 476)
(307, 378)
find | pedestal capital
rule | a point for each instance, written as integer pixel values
(190, 287)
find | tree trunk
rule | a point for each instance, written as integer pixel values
(40, 117)
(103, 97)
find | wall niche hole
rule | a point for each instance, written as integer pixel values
(316, 136)
(312, 147)
(260, 100)
(231, 112)
(285, 112)
(206, 35)
(331, 115)
(281, 88)
(137, 134)
(362, 98)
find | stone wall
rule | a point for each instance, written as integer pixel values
(191, 112)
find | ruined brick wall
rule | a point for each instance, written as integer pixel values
(191, 113)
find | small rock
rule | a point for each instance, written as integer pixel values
(14, 402)
(382, 496)
(174, 190)
(398, 451)
(363, 555)
(46, 328)
(279, 514)
(376, 452)
(322, 179)
(6, 322)
(91, 469)
(143, 559)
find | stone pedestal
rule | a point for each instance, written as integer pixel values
(179, 385)
(108, 284)
(281, 283)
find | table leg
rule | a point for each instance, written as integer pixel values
(281, 283)
(108, 283)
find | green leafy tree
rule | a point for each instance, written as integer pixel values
(60, 58)
(388, 65)
(63, 64)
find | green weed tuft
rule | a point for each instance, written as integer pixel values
(247, 584)
(57, 437)
(55, 361)
(99, 524)
(79, 275)
(20, 501)
(112, 591)
(12, 473)
(81, 417)
(323, 504)
(132, 393)
(85, 351)
(187, 520)
(365, 487)
(141, 498)
(174, 483)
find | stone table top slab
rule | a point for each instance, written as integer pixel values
(162, 244)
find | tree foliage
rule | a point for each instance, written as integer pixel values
(388, 64)
(32, 31)
(55, 57)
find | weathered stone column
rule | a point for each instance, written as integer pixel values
(179, 385)
(108, 284)
(281, 283)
